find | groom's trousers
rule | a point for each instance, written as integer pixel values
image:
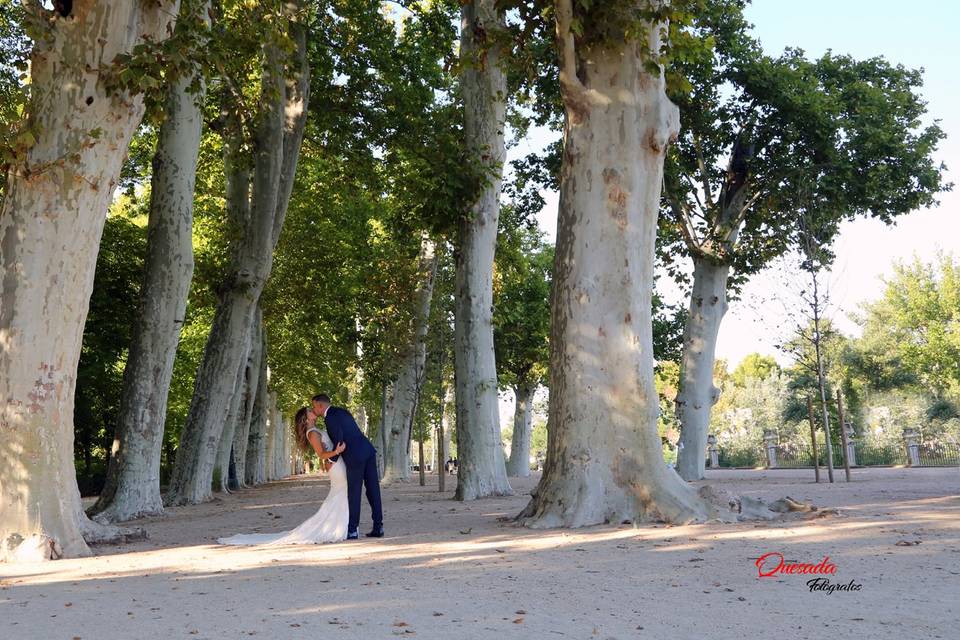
(364, 473)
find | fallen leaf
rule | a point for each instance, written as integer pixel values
(466, 531)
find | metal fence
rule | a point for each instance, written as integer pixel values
(940, 454)
(870, 455)
(732, 457)
(794, 455)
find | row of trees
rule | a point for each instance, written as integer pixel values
(900, 373)
(326, 192)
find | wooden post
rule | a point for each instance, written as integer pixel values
(423, 471)
(441, 441)
(843, 436)
(813, 439)
(442, 457)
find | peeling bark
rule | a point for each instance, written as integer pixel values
(221, 469)
(51, 221)
(256, 454)
(132, 488)
(276, 150)
(402, 404)
(482, 471)
(604, 459)
(697, 394)
(518, 464)
(241, 438)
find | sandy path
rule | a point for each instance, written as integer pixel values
(451, 570)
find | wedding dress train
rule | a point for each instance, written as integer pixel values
(328, 524)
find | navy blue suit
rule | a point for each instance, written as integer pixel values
(360, 458)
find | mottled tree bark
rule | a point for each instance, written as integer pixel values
(402, 404)
(604, 459)
(241, 438)
(132, 487)
(482, 471)
(518, 464)
(277, 147)
(221, 469)
(51, 221)
(256, 454)
(697, 394)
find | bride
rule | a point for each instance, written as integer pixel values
(329, 523)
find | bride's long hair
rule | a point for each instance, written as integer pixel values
(300, 430)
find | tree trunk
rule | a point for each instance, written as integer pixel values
(448, 397)
(382, 430)
(402, 405)
(697, 393)
(256, 453)
(132, 488)
(224, 352)
(604, 459)
(362, 419)
(484, 87)
(51, 221)
(277, 147)
(821, 377)
(221, 470)
(518, 465)
(423, 464)
(276, 449)
(269, 471)
(241, 436)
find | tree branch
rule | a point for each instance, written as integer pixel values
(701, 163)
(683, 221)
(568, 49)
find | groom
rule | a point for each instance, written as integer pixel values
(360, 459)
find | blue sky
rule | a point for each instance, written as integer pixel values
(916, 34)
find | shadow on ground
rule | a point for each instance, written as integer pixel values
(449, 568)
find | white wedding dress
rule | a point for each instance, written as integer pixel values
(328, 524)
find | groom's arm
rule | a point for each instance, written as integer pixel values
(335, 431)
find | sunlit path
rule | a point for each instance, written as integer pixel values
(453, 569)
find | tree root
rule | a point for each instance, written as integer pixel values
(111, 515)
(36, 548)
(95, 533)
(747, 508)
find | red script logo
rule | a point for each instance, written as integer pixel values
(772, 564)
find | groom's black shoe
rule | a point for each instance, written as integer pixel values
(353, 535)
(376, 533)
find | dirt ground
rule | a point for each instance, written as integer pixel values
(452, 570)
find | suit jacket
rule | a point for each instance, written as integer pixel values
(341, 427)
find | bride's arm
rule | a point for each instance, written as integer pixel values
(317, 443)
